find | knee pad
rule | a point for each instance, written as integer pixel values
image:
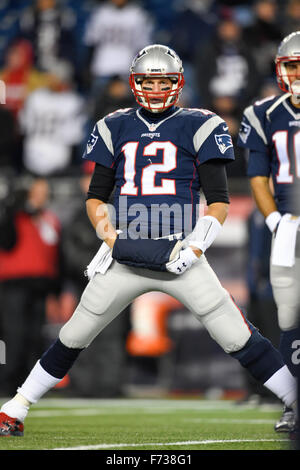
(286, 295)
(227, 325)
(259, 357)
(287, 317)
(81, 328)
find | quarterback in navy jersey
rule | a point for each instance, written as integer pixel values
(158, 155)
(270, 129)
(155, 158)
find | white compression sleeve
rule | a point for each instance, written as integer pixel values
(205, 232)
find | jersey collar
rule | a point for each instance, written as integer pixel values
(153, 121)
(291, 109)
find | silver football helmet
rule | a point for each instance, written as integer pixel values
(288, 51)
(156, 61)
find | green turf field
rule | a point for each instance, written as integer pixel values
(148, 424)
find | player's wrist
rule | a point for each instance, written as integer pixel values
(272, 220)
(205, 232)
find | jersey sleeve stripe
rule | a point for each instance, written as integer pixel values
(254, 121)
(205, 130)
(106, 135)
(277, 103)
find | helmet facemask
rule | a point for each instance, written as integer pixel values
(285, 78)
(167, 97)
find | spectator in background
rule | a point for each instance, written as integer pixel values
(116, 31)
(52, 122)
(225, 67)
(19, 75)
(91, 375)
(20, 79)
(79, 239)
(292, 17)
(194, 25)
(263, 35)
(49, 27)
(228, 108)
(8, 141)
(29, 270)
(116, 95)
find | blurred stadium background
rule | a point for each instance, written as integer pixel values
(65, 65)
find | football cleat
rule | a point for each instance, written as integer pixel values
(287, 421)
(10, 426)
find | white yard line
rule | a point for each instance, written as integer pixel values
(163, 444)
(167, 403)
(98, 412)
(148, 405)
(229, 420)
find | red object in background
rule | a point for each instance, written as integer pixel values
(36, 253)
(19, 61)
(149, 336)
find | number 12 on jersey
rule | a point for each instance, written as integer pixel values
(147, 183)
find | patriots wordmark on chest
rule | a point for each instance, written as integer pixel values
(151, 135)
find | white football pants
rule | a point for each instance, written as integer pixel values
(198, 289)
(285, 283)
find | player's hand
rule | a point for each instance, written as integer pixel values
(111, 241)
(186, 258)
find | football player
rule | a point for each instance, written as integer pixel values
(270, 129)
(156, 157)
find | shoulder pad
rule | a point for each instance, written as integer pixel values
(119, 113)
(199, 112)
(267, 105)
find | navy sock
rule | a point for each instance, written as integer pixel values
(289, 347)
(58, 359)
(259, 357)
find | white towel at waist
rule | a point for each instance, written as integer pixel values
(283, 253)
(103, 258)
(101, 261)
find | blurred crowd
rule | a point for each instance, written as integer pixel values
(65, 65)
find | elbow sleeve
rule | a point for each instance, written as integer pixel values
(102, 183)
(213, 179)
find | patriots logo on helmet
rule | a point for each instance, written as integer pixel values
(224, 142)
(244, 132)
(91, 143)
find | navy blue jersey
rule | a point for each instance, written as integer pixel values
(270, 129)
(157, 187)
